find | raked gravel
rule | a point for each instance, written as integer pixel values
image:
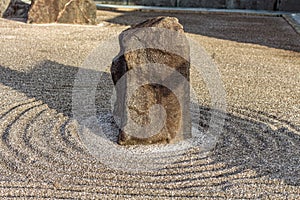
(257, 155)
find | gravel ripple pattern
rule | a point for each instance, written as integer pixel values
(256, 157)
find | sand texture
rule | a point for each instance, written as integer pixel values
(256, 157)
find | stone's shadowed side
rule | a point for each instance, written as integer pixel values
(14, 9)
(63, 11)
(177, 123)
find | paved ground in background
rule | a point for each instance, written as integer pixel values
(263, 30)
(296, 17)
(257, 156)
(293, 18)
(188, 10)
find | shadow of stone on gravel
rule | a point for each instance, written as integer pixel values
(263, 30)
(52, 83)
(273, 152)
(254, 145)
(244, 144)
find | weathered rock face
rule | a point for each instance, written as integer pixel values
(154, 60)
(63, 11)
(3, 6)
(16, 10)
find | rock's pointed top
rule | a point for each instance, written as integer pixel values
(171, 23)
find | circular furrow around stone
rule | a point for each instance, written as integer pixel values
(59, 194)
(37, 161)
(269, 185)
(209, 182)
(270, 120)
(154, 182)
(147, 190)
(14, 189)
(46, 193)
(261, 190)
(51, 159)
(42, 136)
(8, 158)
(10, 134)
(15, 132)
(203, 189)
(124, 185)
(44, 142)
(49, 155)
(262, 136)
(69, 135)
(5, 109)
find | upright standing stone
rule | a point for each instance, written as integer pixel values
(63, 11)
(157, 42)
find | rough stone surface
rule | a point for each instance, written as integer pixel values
(167, 34)
(3, 6)
(17, 10)
(63, 11)
(257, 156)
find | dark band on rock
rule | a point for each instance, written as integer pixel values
(170, 36)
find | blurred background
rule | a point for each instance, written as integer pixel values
(275, 5)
